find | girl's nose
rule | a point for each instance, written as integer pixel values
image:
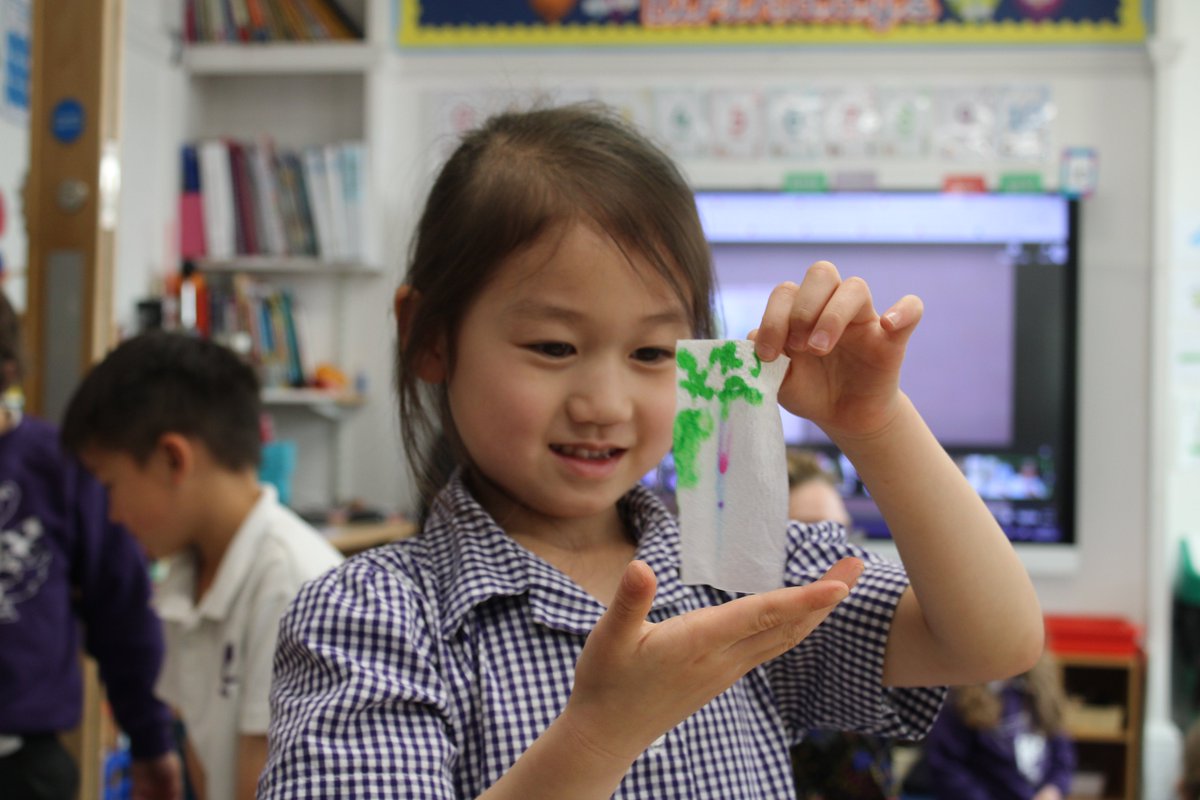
(600, 397)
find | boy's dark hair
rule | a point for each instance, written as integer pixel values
(158, 383)
(508, 182)
(10, 344)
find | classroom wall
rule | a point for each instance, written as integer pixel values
(151, 129)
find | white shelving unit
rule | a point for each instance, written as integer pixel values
(302, 94)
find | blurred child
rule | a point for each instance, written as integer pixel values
(813, 495)
(1003, 741)
(832, 765)
(170, 425)
(65, 570)
(535, 640)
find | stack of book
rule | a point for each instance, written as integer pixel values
(268, 21)
(253, 199)
(263, 322)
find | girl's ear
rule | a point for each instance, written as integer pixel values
(431, 364)
(179, 454)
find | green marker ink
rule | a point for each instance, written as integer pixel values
(692, 427)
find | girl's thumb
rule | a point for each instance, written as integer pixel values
(633, 599)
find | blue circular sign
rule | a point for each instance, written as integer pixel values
(66, 121)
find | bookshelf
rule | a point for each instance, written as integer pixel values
(301, 95)
(283, 58)
(1104, 719)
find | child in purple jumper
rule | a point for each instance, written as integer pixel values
(62, 564)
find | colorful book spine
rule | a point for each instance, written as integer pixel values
(191, 207)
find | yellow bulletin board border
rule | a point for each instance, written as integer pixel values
(1130, 29)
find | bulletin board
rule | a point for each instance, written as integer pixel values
(532, 23)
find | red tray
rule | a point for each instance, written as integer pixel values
(1086, 634)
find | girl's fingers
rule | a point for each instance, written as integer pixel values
(823, 597)
(754, 614)
(754, 650)
(846, 570)
(850, 303)
(631, 603)
(820, 284)
(770, 335)
(902, 318)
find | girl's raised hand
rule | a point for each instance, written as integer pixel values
(636, 680)
(846, 357)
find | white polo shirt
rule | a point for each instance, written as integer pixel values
(217, 670)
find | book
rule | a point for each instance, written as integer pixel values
(266, 196)
(190, 30)
(312, 23)
(191, 206)
(217, 199)
(239, 15)
(276, 24)
(245, 228)
(332, 25)
(304, 220)
(351, 163)
(294, 22)
(339, 224)
(295, 360)
(289, 212)
(316, 184)
(335, 7)
(259, 30)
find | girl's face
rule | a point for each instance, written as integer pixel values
(563, 390)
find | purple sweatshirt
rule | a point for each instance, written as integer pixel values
(970, 764)
(63, 564)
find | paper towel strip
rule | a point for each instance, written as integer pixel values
(730, 465)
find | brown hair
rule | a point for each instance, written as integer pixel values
(803, 466)
(519, 176)
(979, 705)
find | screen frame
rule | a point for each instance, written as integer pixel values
(1040, 558)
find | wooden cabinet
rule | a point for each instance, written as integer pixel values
(1104, 719)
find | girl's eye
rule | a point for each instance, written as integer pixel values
(653, 355)
(553, 349)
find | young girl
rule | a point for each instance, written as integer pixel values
(1003, 740)
(535, 641)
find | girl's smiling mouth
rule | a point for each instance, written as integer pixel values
(586, 453)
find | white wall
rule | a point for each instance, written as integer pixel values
(151, 130)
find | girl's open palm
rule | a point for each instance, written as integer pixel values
(846, 357)
(636, 680)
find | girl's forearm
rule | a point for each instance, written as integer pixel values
(977, 607)
(561, 763)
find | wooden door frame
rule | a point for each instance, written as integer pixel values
(76, 48)
(76, 54)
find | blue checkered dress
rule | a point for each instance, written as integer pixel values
(425, 668)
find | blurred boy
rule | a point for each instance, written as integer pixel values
(62, 564)
(170, 425)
